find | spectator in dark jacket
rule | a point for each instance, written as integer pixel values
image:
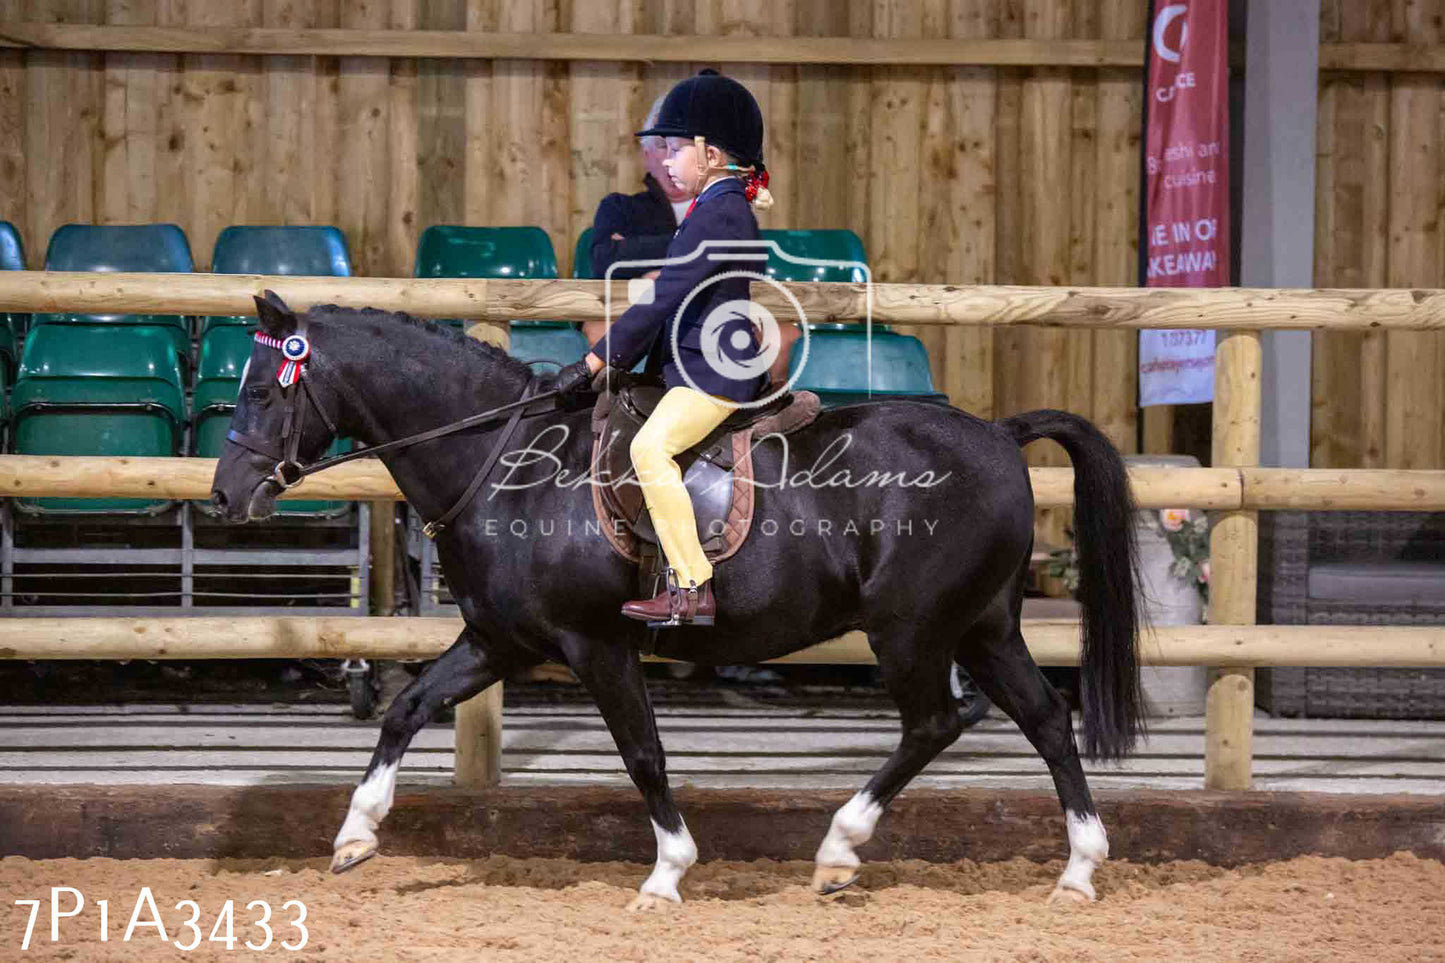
(637, 227)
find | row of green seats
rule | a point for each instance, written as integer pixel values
(113, 384)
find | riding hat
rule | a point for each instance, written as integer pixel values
(717, 108)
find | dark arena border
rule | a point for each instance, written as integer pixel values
(600, 824)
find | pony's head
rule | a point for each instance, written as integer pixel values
(281, 422)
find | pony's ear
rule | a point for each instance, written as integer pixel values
(276, 319)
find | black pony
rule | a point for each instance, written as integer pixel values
(909, 521)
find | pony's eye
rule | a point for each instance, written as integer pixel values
(257, 393)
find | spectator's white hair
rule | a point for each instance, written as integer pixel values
(652, 140)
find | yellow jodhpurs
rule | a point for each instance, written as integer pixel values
(682, 418)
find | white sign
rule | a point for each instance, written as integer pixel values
(1176, 367)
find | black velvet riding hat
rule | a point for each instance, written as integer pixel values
(718, 108)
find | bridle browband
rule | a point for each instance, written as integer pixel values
(289, 472)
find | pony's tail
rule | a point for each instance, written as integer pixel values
(1108, 562)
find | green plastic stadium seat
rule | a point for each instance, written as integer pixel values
(582, 255)
(451, 251)
(557, 343)
(309, 251)
(833, 245)
(825, 245)
(152, 248)
(119, 247)
(97, 390)
(296, 250)
(225, 350)
(837, 367)
(12, 252)
(12, 258)
(8, 341)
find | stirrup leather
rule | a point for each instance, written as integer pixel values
(682, 603)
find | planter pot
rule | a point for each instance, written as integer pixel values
(1166, 600)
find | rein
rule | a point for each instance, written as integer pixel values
(289, 472)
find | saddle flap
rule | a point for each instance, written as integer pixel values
(717, 471)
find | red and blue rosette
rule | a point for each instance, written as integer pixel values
(295, 349)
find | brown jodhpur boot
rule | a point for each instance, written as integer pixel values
(693, 605)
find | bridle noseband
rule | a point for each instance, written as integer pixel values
(289, 471)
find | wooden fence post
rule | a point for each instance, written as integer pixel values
(383, 558)
(479, 739)
(479, 719)
(1234, 557)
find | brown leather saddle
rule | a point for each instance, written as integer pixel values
(717, 471)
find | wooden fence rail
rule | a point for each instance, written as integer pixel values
(1052, 641)
(910, 304)
(37, 476)
(654, 48)
(600, 47)
(1237, 486)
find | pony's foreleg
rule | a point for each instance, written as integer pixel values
(612, 672)
(458, 674)
(918, 680)
(999, 662)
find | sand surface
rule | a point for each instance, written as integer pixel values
(395, 908)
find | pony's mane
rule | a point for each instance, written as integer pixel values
(491, 352)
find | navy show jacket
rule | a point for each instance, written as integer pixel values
(646, 222)
(722, 213)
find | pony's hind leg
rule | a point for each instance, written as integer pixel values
(461, 672)
(917, 676)
(994, 653)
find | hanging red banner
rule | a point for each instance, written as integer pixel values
(1185, 224)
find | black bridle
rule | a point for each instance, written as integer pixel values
(290, 472)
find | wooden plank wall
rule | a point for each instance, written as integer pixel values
(1378, 398)
(954, 174)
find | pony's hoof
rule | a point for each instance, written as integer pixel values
(1065, 894)
(830, 879)
(352, 854)
(649, 903)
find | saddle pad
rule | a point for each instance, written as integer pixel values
(724, 511)
(723, 522)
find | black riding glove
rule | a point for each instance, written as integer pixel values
(574, 386)
(574, 379)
